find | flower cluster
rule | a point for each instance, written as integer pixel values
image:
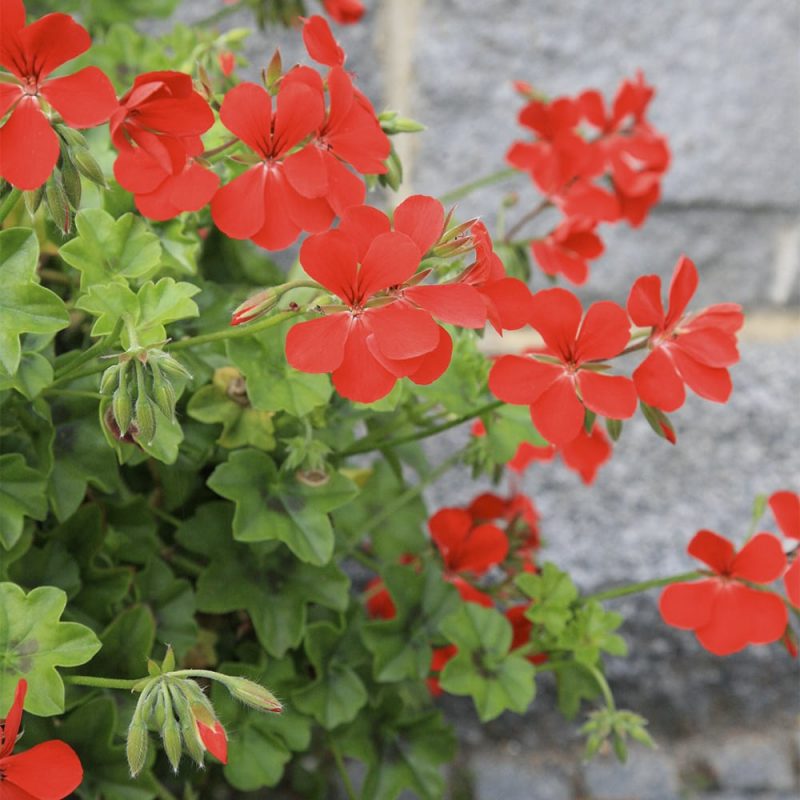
(595, 164)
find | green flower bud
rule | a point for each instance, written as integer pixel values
(145, 418)
(71, 179)
(136, 746)
(72, 137)
(33, 199)
(188, 725)
(88, 167)
(251, 693)
(169, 364)
(163, 393)
(109, 379)
(122, 408)
(57, 203)
(393, 176)
(170, 730)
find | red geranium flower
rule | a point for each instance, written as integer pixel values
(791, 580)
(215, 740)
(29, 147)
(345, 12)
(48, 771)
(379, 602)
(559, 392)
(694, 349)
(321, 44)
(521, 628)
(440, 657)
(725, 614)
(630, 104)
(375, 340)
(567, 248)
(785, 507)
(263, 204)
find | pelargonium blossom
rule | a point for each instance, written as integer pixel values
(48, 771)
(29, 147)
(157, 131)
(725, 613)
(694, 349)
(572, 378)
(567, 248)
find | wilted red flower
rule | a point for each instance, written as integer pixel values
(263, 204)
(567, 248)
(785, 507)
(215, 740)
(386, 329)
(29, 148)
(577, 345)
(725, 614)
(345, 12)
(48, 771)
(693, 349)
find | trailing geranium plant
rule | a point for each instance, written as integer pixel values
(204, 479)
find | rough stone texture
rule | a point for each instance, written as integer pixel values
(497, 775)
(646, 774)
(752, 762)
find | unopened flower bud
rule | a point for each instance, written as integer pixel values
(188, 725)
(251, 694)
(393, 176)
(122, 408)
(88, 167)
(109, 379)
(272, 74)
(33, 199)
(71, 179)
(145, 418)
(57, 204)
(170, 730)
(136, 746)
(163, 393)
(255, 306)
(169, 364)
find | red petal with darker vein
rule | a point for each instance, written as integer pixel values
(688, 605)
(709, 346)
(454, 303)
(557, 413)
(712, 383)
(521, 380)
(681, 289)
(434, 363)
(785, 507)
(280, 228)
(360, 377)
(48, 771)
(13, 15)
(311, 214)
(247, 112)
(52, 41)
(363, 224)
(657, 382)
(321, 44)
(421, 218)
(556, 314)
(10, 93)
(761, 560)
(604, 333)
(28, 146)
(238, 206)
(644, 302)
(391, 259)
(712, 549)
(318, 345)
(608, 395)
(330, 258)
(306, 171)
(402, 331)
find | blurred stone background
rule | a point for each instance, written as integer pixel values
(728, 79)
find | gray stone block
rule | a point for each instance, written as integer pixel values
(501, 776)
(646, 774)
(753, 762)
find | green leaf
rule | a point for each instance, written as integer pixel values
(507, 429)
(25, 306)
(553, 594)
(484, 668)
(272, 384)
(106, 249)
(109, 302)
(336, 694)
(180, 247)
(33, 642)
(34, 374)
(574, 684)
(592, 630)
(270, 584)
(21, 495)
(51, 565)
(266, 509)
(127, 644)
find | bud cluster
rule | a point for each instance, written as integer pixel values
(138, 384)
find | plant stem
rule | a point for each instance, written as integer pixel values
(101, 683)
(601, 681)
(74, 393)
(366, 446)
(9, 203)
(469, 188)
(641, 586)
(342, 769)
(99, 348)
(218, 149)
(524, 220)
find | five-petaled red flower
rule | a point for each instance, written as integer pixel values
(48, 771)
(559, 389)
(385, 330)
(29, 148)
(694, 349)
(157, 132)
(725, 614)
(567, 248)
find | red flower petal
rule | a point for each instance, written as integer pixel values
(48, 771)
(318, 345)
(363, 224)
(681, 289)
(402, 331)
(361, 377)
(193, 188)
(10, 727)
(761, 560)
(344, 188)
(688, 605)
(215, 739)
(238, 206)
(83, 99)
(138, 172)
(658, 383)
(448, 528)
(608, 395)
(712, 549)
(300, 112)
(331, 259)
(586, 453)
(521, 380)
(391, 259)
(644, 302)
(557, 413)
(556, 314)
(509, 302)
(785, 507)
(13, 15)
(187, 114)
(454, 303)
(345, 12)
(712, 383)
(247, 113)
(469, 594)
(791, 581)
(482, 548)
(709, 346)
(421, 218)
(10, 93)
(280, 227)
(604, 333)
(307, 172)
(321, 44)
(52, 41)
(434, 364)
(28, 146)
